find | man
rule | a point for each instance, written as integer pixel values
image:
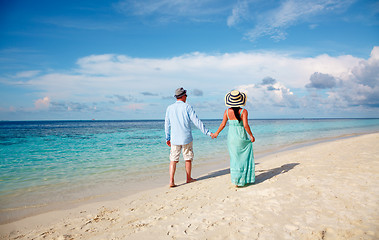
(178, 119)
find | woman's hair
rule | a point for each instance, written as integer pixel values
(236, 113)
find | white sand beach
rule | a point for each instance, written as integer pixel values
(325, 191)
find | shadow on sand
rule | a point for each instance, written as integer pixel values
(263, 176)
(270, 173)
(215, 174)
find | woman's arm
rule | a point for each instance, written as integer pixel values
(222, 125)
(246, 125)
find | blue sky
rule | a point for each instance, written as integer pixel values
(97, 59)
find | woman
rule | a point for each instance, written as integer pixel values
(242, 167)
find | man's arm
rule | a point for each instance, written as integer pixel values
(196, 121)
(167, 129)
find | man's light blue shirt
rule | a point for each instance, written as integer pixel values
(178, 118)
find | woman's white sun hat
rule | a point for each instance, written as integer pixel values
(235, 99)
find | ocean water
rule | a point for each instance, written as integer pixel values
(47, 163)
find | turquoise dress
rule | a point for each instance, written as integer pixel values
(242, 166)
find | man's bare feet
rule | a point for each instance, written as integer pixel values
(191, 180)
(172, 185)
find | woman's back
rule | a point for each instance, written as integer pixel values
(231, 114)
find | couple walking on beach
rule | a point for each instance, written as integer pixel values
(179, 136)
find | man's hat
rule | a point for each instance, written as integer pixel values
(235, 99)
(180, 92)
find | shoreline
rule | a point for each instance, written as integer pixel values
(199, 171)
(325, 189)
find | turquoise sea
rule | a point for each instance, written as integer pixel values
(50, 164)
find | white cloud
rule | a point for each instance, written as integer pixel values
(269, 94)
(273, 79)
(239, 12)
(42, 104)
(173, 10)
(257, 20)
(101, 75)
(275, 22)
(358, 86)
(72, 107)
(361, 85)
(196, 67)
(27, 74)
(133, 107)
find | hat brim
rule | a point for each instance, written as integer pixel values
(180, 95)
(234, 102)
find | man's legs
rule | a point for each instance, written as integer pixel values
(188, 171)
(174, 159)
(188, 156)
(172, 173)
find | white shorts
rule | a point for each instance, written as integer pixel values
(186, 149)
